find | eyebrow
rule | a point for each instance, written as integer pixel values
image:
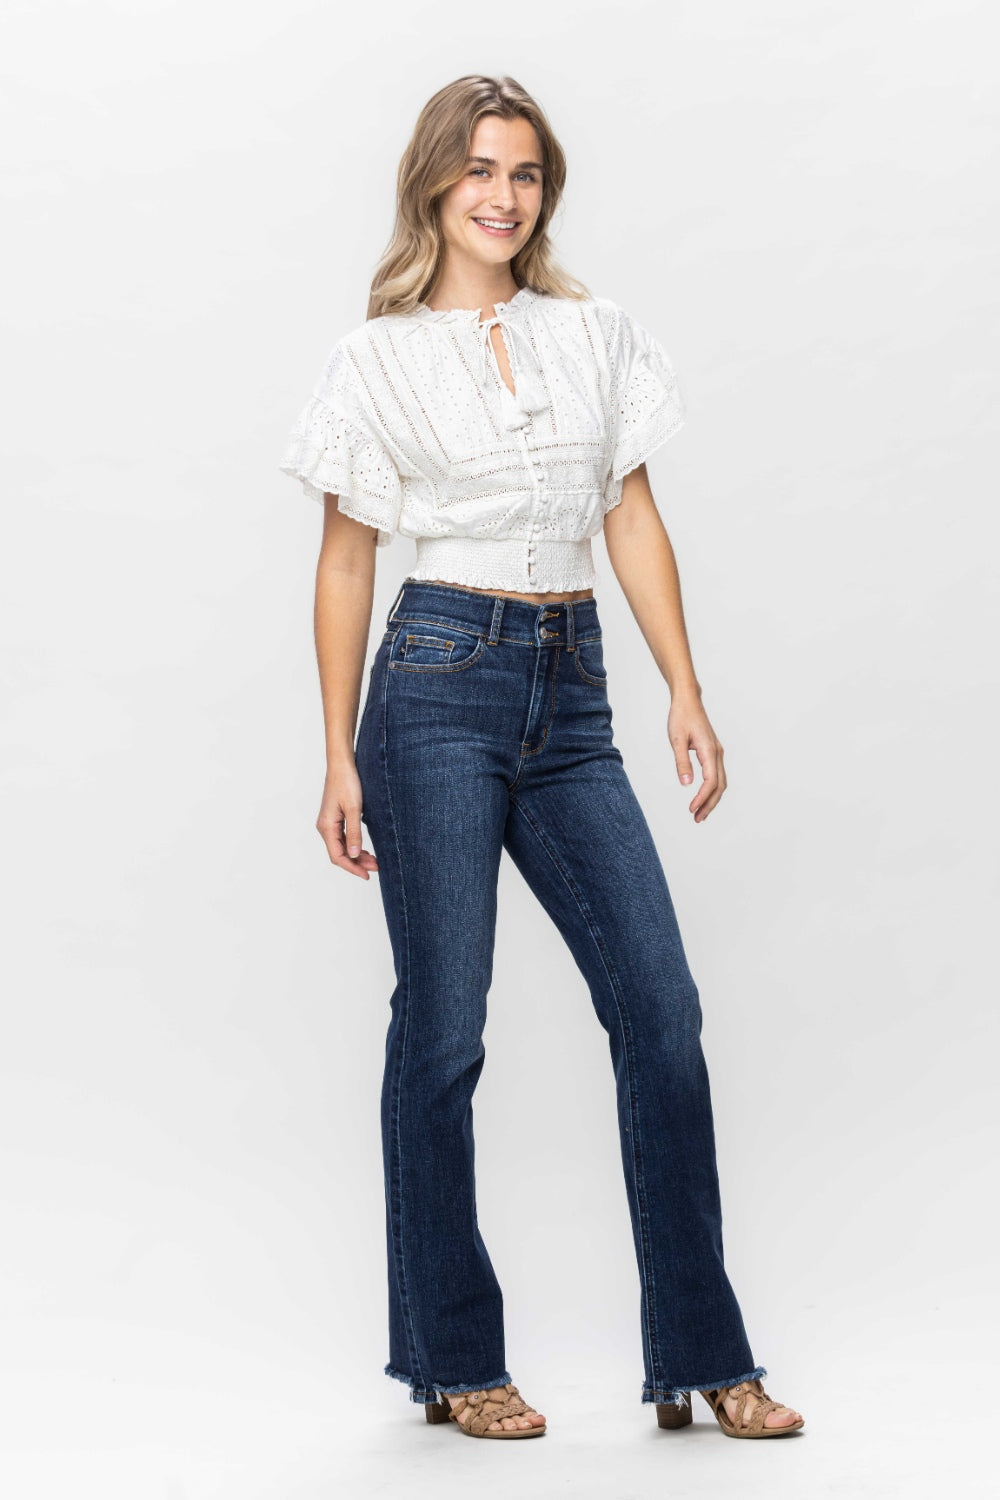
(490, 161)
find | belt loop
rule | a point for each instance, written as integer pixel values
(570, 627)
(399, 596)
(494, 634)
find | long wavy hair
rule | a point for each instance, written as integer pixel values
(435, 159)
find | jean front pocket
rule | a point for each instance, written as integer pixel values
(427, 646)
(426, 650)
(589, 658)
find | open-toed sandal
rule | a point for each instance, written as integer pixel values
(487, 1407)
(755, 1425)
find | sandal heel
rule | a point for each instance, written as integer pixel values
(437, 1411)
(670, 1416)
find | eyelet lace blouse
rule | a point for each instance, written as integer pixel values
(412, 427)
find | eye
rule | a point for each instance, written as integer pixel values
(527, 176)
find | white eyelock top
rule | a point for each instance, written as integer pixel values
(412, 427)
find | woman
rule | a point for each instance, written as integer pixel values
(495, 411)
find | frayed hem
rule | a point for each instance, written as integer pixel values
(675, 1395)
(427, 1394)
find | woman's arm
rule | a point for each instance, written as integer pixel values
(642, 557)
(345, 587)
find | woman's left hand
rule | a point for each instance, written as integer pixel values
(688, 729)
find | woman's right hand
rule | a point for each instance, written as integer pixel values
(339, 821)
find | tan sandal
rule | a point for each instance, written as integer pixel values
(488, 1406)
(755, 1426)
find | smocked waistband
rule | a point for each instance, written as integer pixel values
(525, 566)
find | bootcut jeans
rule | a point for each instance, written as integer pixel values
(487, 726)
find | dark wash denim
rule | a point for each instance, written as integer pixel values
(487, 726)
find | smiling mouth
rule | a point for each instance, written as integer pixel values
(497, 226)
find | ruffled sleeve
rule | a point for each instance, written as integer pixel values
(336, 448)
(646, 405)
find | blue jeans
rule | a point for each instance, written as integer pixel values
(487, 726)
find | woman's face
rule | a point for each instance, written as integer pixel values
(502, 187)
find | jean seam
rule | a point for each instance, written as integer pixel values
(399, 1249)
(649, 1280)
(527, 751)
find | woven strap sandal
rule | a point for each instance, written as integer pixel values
(487, 1407)
(755, 1425)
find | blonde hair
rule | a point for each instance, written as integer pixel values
(435, 159)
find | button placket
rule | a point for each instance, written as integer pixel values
(537, 478)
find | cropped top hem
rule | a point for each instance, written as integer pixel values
(524, 567)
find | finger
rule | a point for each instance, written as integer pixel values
(710, 795)
(365, 860)
(723, 779)
(332, 833)
(682, 758)
(361, 866)
(352, 823)
(710, 777)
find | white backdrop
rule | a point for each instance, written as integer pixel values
(800, 199)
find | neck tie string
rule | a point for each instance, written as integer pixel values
(527, 397)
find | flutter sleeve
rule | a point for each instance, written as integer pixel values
(336, 448)
(646, 405)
